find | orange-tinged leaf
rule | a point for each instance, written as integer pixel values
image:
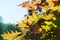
(25, 4)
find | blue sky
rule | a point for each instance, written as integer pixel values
(10, 12)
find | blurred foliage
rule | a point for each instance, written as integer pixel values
(7, 27)
(42, 22)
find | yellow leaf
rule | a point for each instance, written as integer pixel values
(10, 36)
(48, 23)
(21, 24)
(30, 20)
(59, 8)
(34, 16)
(48, 17)
(54, 25)
(18, 38)
(24, 21)
(38, 18)
(45, 8)
(53, 18)
(40, 29)
(46, 28)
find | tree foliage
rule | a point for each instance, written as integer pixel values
(42, 22)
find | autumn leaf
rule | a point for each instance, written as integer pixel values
(48, 17)
(47, 22)
(10, 36)
(46, 28)
(28, 5)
